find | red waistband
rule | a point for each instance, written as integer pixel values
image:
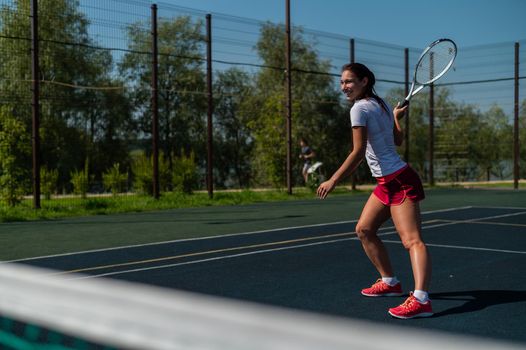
(387, 178)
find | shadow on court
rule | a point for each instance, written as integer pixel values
(476, 300)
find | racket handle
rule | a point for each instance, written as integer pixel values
(405, 103)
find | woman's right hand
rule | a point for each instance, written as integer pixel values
(399, 112)
(325, 188)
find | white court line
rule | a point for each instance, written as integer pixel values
(496, 207)
(449, 223)
(495, 217)
(456, 222)
(465, 247)
(209, 237)
(231, 256)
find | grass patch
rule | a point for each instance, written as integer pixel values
(63, 207)
(508, 184)
(72, 206)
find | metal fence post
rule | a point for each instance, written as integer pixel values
(288, 98)
(516, 121)
(209, 175)
(155, 108)
(35, 104)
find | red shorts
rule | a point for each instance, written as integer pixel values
(394, 188)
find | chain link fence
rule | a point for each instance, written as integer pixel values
(217, 97)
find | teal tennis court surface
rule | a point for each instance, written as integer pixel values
(478, 252)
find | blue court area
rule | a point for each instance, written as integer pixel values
(478, 255)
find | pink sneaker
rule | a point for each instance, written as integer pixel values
(412, 308)
(382, 289)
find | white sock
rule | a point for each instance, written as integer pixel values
(421, 295)
(392, 281)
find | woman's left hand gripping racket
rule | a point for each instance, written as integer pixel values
(433, 63)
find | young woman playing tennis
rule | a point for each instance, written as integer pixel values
(376, 132)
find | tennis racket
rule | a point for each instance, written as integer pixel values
(433, 63)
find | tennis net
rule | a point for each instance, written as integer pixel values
(42, 310)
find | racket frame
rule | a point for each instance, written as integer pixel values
(414, 91)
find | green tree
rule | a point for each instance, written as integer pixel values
(317, 113)
(142, 169)
(114, 180)
(81, 179)
(182, 102)
(232, 137)
(185, 177)
(70, 117)
(495, 142)
(14, 152)
(106, 124)
(48, 181)
(456, 141)
(522, 140)
(269, 135)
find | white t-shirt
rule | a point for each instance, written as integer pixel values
(380, 154)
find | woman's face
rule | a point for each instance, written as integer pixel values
(352, 86)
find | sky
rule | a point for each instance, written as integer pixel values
(409, 23)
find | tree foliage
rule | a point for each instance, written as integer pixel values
(76, 123)
(103, 127)
(181, 80)
(316, 111)
(14, 153)
(233, 141)
(115, 180)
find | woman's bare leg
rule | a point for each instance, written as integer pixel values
(374, 214)
(407, 220)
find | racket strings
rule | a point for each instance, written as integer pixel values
(434, 63)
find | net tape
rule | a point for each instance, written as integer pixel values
(126, 315)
